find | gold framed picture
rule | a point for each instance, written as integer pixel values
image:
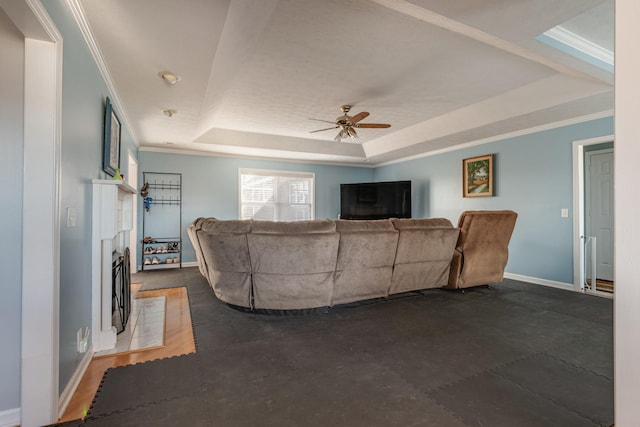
(477, 176)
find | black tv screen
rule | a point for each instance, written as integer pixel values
(375, 200)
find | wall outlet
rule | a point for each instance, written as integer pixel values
(564, 213)
(82, 339)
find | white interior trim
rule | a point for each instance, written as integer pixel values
(72, 385)
(132, 179)
(190, 264)
(515, 134)
(627, 210)
(579, 43)
(41, 202)
(10, 418)
(538, 281)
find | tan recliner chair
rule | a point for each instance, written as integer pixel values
(482, 250)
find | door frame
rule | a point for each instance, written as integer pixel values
(579, 201)
(588, 223)
(39, 370)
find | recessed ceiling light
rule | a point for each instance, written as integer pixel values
(169, 112)
(169, 77)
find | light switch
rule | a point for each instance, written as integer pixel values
(71, 217)
(564, 213)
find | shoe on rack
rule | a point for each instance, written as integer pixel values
(169, 260)
(176, 260)
(155, 260)
(148, 250)
(147, 261)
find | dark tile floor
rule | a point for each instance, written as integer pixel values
(513, 354)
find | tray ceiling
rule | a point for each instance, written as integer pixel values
(441, 72)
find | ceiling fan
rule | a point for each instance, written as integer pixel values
(347, 124)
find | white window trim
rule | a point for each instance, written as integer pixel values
(271, 172)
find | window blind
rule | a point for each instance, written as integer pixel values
(276, 196)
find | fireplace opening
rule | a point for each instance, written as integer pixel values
(121, 291)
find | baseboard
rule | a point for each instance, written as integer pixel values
(538, 281)
(72, 385)
(10, 418)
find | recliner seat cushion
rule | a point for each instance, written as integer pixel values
(365, 260)
(292, 270)
(423, 256)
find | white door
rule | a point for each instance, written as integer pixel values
(599, 208)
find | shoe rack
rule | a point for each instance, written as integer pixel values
(161, 196)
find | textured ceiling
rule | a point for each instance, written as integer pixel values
(252, 73)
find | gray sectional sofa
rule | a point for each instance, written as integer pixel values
(311, 264)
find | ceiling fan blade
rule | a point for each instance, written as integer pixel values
(320, 120)
(321, 130)
(355, 119)
(372, 125)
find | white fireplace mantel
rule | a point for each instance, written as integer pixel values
(112, 219)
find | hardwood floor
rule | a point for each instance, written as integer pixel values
(178, 340)
(603, 285)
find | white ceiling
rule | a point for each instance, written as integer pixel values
(252, 73)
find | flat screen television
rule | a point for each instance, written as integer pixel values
(375, 200)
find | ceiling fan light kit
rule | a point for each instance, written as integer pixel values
(347, 124)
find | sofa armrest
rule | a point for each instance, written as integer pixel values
(456, 268)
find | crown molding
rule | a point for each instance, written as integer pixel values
(571, 39)
(85, 28)
(200, 153)
(522, 132)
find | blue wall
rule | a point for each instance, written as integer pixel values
(210, 185)
(11, 164)
(83, 98)
(533, 176)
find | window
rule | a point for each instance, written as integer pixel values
(276, 196)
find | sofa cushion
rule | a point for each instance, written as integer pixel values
(198, 222)
(293, 227)
(293, 253)
(413, 223)
(423, 258)
(234, 226)
(227, 264)
(292, 271)
(365, 260)
(352, 226)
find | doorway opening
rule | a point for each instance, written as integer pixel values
(593, 171)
